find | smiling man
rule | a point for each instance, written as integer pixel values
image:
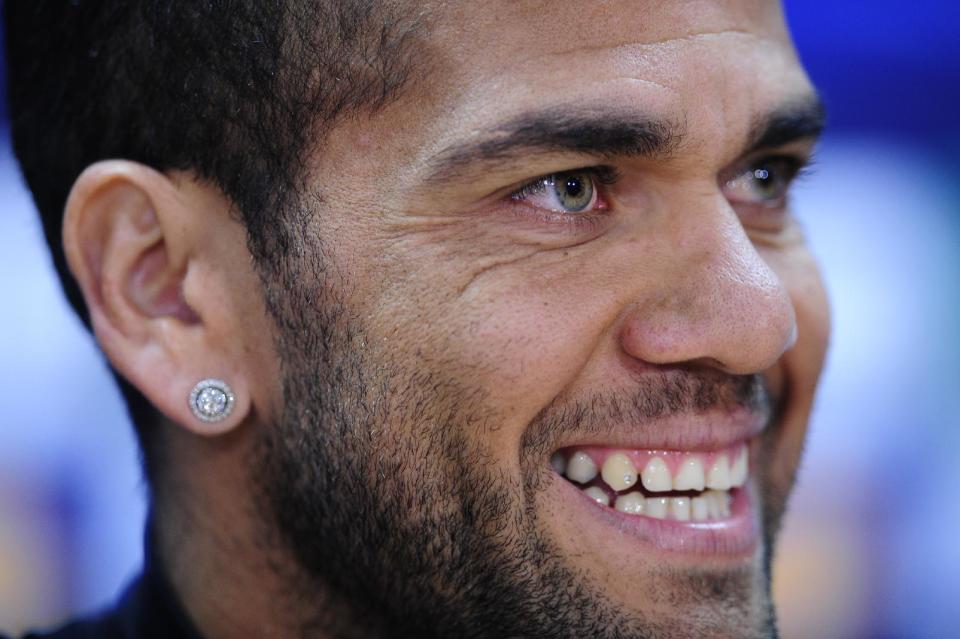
(438, 320)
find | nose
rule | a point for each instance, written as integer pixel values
(717, 302)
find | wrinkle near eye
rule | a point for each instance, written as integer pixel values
(495, 266)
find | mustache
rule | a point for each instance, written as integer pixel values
(654, 396)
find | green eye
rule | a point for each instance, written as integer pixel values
(566, 192)
(574, 191)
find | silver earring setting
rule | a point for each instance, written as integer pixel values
(211, 400)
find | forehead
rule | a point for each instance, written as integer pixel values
(715, 67)
(519, 28)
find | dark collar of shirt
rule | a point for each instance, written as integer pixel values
(148, 609)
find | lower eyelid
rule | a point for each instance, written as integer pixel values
(565, 222)
(763, 216)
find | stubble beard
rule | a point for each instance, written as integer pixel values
(399, 526)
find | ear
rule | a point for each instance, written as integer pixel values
(148, 256)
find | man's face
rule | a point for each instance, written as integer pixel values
(564, 246)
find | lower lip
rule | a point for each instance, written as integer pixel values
(735, 537)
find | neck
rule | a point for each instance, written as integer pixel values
(225, 562)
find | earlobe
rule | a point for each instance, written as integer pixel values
(128, 239)
(212, 400)
(216, 409)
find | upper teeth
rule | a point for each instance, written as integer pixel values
(690, 474)
(739, 468)
(718, 477)
(581, 467)
(656, 476)
(716, 472)
(619, 472)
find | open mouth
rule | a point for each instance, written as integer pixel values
(701, 487)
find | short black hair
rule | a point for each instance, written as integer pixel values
(236, 91)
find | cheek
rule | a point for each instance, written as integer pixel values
(519, 333)
(532, 341)
(801, 276)
(795, 377)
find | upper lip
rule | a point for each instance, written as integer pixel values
(704, 431)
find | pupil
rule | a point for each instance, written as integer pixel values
(574, 191)
(765, 182)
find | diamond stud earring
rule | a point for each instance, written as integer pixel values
(211, 400)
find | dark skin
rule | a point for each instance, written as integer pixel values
(465, 312)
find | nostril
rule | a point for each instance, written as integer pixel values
(740, 336)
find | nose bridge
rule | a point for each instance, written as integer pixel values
(719, 301)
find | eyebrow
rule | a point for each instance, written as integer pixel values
(595, 132)
(800, 119)
(611, 133)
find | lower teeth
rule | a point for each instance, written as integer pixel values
(708, 505)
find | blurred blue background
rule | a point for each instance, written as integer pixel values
(869, 547)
